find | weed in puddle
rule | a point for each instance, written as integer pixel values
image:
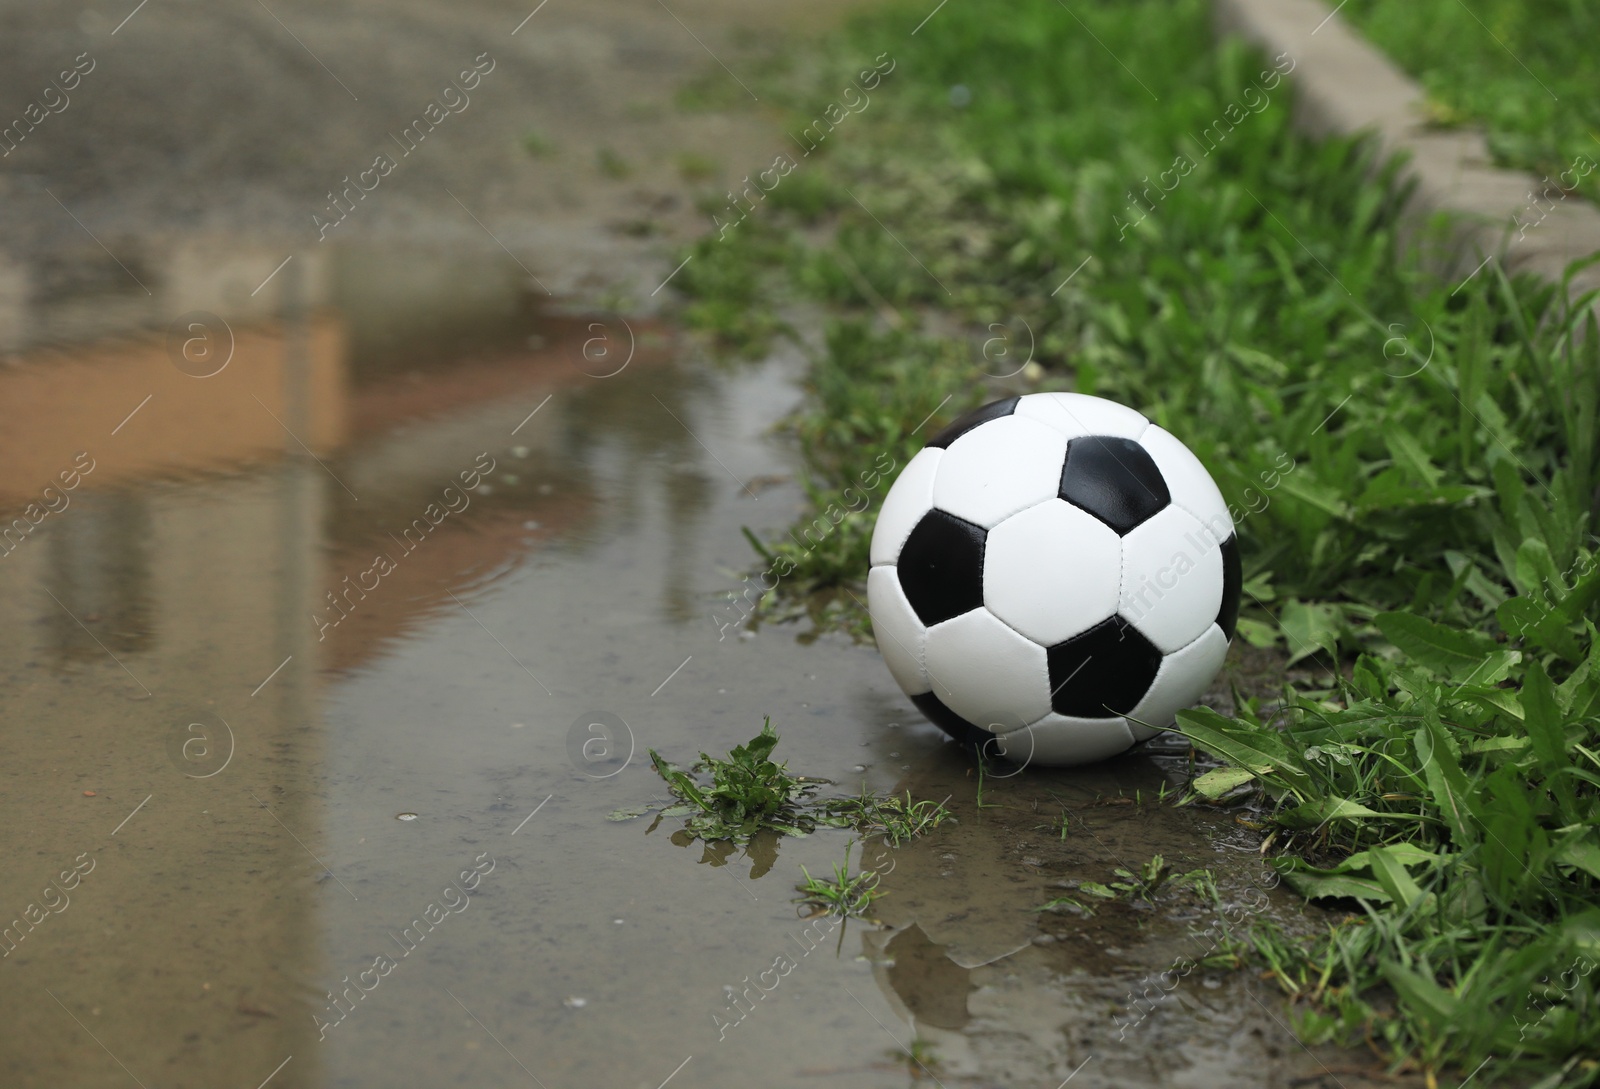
(841, 894)
(749, 793)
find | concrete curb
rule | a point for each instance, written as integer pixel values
(1343, 85)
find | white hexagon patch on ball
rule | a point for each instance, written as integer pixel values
(1054, 578)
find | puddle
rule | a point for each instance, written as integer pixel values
(354, 703)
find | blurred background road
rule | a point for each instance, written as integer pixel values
(195, 116)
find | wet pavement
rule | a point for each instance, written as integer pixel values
(345, 586)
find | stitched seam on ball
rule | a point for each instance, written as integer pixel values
(1023, 726)
(1122, 574)
(1010, 625)
(1174, 502)
(1007, 733)
(1202, 521)
(1047, 499)
(1006, 517)
(901, 546)
(921, 653)
(1075, 428)
(1030, 640)
(1022, 635)
(1185, 647)
(923, 493)
(1166, 659)
(1036, 721)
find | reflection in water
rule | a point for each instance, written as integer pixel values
(99, 570)
(186, 573)
(413, 444)
(762, 850)
(996, 988)
(686, 494)
(422, 308)
(659, 460)
(933, 987)
(392, 367)
(185, 949)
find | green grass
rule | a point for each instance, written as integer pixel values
(1258, 311)
(1141, 884)
(841, 894)
(1524, 69)
(869, 392)
(919, 1059)
(1447, 788)
(537, 144)
(1412, 466)
(749, 793)
(729, 287)
(694, 167)
(898, 819)
(612, 165)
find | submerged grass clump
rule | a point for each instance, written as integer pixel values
(896, 818)
(1142, 884)
(749, 792)
(841, 894)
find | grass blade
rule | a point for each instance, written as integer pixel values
(1446, 783)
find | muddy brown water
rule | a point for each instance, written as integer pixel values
(367, 577)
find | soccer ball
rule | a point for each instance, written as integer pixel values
(1053, 578)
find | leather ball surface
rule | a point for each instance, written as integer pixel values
(1053, 578)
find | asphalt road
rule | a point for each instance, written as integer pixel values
(121, 122)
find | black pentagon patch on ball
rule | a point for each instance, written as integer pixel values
(994, 410)
(1232, 583)
(1102, 673)
(1113, 479)
(950, 722)
(941, 567)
